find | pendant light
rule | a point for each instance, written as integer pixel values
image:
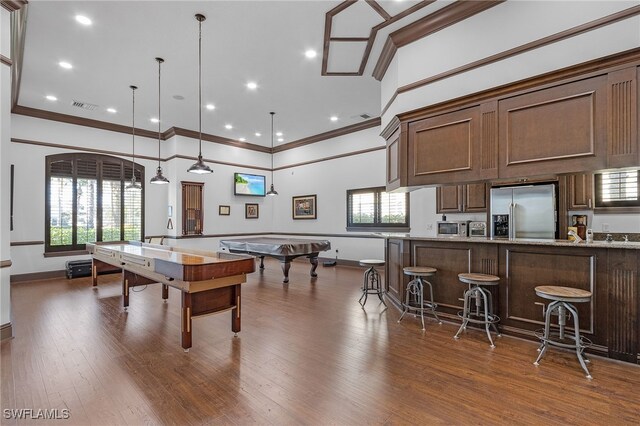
(199, 167)
(272, 190)
(158, 179)
(133, 185)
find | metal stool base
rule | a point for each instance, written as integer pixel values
(483, 313)
(414, 300)
(562, 338)
(371, 285)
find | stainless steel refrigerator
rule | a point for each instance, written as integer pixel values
(524, 212)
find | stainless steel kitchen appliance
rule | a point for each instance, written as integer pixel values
(524, 212)
(451, 228)
(477, 229)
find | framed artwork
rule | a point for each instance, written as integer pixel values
(305, 207)
(251, 211)
(224, 210)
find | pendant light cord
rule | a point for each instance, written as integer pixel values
(200, 88)
(159, 63)
(133, 132)
(272, 114)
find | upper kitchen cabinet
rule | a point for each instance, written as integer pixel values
(580, 191)
(623, 144)
(461, 198)
(453, 147)
(396, 155)
(560, 129)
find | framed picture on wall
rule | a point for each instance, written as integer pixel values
(305, 207)
(251, 211)
(224, 210)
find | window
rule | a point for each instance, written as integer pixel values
(192, 217)
(374, 209)
(617, 189)
(86, 201)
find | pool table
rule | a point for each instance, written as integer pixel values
(283, 249)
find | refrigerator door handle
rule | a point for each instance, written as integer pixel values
(512, 219)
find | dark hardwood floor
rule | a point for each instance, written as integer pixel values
(307, 354)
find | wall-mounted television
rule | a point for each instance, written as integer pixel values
(246, 184)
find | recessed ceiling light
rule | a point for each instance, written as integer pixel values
(211, 107)
(280, 140)
(242, 139)
(65, 65)
(279, 134)
(258, 134)
(111, 110)
(51, 98)
(154, 120)
(252, 85)
(228, 126)
(83, 20)
(310, 53)
(334, 118)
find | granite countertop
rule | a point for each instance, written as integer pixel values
(523, 241)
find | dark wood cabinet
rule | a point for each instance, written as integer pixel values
(449, 199)
(580, 191)
(453, 147)
(558, 129)
(623, 143)
(397, 257)
(611, 320)
(461, 198)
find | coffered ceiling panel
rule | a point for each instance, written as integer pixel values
(393, 7)
(355, 21)
(345, 56)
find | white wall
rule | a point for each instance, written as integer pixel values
(5, 169)
(508, 25)
(328, 179)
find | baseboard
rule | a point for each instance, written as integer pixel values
(6, 331)
(37, 276)
(341, 262)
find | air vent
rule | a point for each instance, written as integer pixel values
(84, 105)
(363, 116)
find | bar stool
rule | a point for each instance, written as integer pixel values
(414, 299)
(561, 298)
(372, 283)
(483, 303)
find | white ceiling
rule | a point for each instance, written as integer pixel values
(261, 41)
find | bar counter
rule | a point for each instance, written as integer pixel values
(609, 271)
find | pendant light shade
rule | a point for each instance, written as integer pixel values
(199, 167)
(133, 185)
(158, 179)
(272, 190)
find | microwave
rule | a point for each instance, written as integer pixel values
(452, 228)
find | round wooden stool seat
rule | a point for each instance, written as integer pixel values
(564, 294)
(419, 271)
(371, 262)
(478, 279)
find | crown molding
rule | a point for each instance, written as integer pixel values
(373, 122)
(440, 19)
(80, 121)
(333, 157)
(13, 5)
(219, 139)
(554, 38)
(177, 131)
(583, 70)
(390, 128)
